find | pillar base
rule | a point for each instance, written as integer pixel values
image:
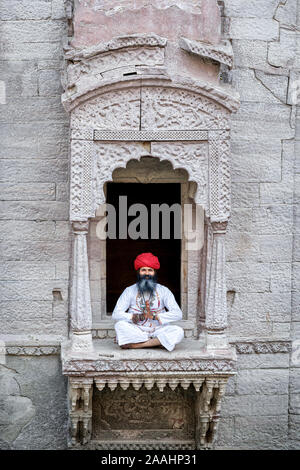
(82, 341)
(212, 340)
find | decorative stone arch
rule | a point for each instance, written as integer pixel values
(125, 104)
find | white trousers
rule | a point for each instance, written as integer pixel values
(168, 335)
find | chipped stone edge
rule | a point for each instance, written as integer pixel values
(222, 53)
(119, 42)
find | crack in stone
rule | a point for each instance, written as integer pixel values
(267, 88)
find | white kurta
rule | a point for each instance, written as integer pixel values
(131, 300)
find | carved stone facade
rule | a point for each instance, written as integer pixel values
(128, 102)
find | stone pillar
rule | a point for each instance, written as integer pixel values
(216, 304)
(81, 313)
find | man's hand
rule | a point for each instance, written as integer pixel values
(135, 318)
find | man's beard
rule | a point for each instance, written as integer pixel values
(146, 283)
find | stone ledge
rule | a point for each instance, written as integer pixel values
(188, 359)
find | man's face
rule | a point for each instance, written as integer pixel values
(146, 271)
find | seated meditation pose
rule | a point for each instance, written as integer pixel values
(142, 320)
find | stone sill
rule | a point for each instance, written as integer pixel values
(188, 358)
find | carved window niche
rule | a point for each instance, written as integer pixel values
(120, 123)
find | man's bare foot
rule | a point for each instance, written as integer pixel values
(147, 344)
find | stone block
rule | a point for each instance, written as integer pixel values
(41, 109)
(62, 270)
(256, 405)
(225, 432)
(31, 50)
(58, 9)
(276, 84)
(262, 122)
(60, 310)
(20, 78)
(261, 432)
(244, 195)
(29, 290)
(17, 270)
(33, 140)
(11, 10)
(281, 277)
(294, 425)
(263, 382)
(241, 246)
(35, 251)
(282, 53)
(276, 219)
(26, 230)
(259, 87)
(49, 396)
(275, 248)
(251, 8)
(260, 29)
(294, 405)
(286, 13)
(295, 381)
(27, 191)
(62, 191)
(263, 361)
(49, 83)
(248, 165)
(33, 210)
(34, 31)
(274, 306)
(247, 277)
(63, 230)
(253, 54)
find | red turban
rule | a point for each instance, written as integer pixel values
(146, 260)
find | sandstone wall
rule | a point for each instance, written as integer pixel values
(261, 409)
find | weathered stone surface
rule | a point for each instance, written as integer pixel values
(286, 13)
(282, 53)
(248, 277)
(254, 54)
(15, 270)
(31, 50)
(33, 140)
(193, 20)
(267, 432)
(27, 191)
(262, 306)
(32, 109)
(255, 168)
(263, 361)
(263, 382)
(33, 210)
(25, 10)
(35, 251)
(244, 195)
(254, 405)
(49, 82)
(251, 8)
(261, 121)
(49, 396)
(20, 77)
(254, 28)
(32, 31)
(28, 290)
(258, 87)
(294, 407)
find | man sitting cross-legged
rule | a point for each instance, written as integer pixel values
(147, 323)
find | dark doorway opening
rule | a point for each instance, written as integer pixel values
(120, 253)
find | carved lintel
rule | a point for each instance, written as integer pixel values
(221, 53)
